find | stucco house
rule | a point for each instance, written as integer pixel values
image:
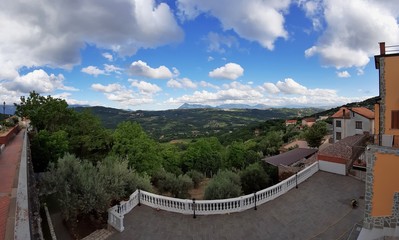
(351, 121)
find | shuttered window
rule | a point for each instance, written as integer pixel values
(395, 119)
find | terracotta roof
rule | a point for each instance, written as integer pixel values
(365, 112)
(290, 121)
(309, 119)
(291, 157)
(342, 148)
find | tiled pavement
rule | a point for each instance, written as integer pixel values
(318, 209)
(9, 162)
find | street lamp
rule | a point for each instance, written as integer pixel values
(4, 108)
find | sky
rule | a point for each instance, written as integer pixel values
(159, 54)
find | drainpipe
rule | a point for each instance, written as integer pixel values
(382, 53)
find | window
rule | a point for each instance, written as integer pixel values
(359, 125)
(338, 123)
(395, 119)
(338, 136)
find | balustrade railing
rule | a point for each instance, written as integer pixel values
(206, 207)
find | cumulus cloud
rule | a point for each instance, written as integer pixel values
(145, 87)
(125, 96)
(108, 56)
(284, 93)
(106, 88)
(230, 71)
(254, 20)
(271, 88)
(93, 70)
(205, 84)
(37, 33)
(140, 68)
(67, 97)
(289, 86)
(353, 30)
(111, 68)
(39, 81)
(218, 42)
(181, 83)
(343, 74)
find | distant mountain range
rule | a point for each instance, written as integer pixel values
(224, 106)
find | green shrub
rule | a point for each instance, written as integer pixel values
(254, 178)
(226, 184)
(196, 177)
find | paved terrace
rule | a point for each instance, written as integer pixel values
(10, 159)
(318, 209)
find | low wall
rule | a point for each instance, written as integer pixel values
(6, 137)
(206, 207)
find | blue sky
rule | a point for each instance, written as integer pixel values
(154, 55)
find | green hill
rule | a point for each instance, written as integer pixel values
(188, 123)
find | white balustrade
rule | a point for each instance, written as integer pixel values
(206, 207)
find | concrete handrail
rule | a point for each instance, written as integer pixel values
(206, 207)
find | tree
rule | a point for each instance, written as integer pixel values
(226, 184)
(271, 143)
(315, 134)
(131, 142)
(204, 155)
(170, 155)
(88, 138)
(45, 113)
(47, 147)
(254, 178)
(236, 156)
(82, 188)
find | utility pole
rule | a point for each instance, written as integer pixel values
(4, 108)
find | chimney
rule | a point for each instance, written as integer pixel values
(382, 48)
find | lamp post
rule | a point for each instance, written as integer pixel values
(4, 108)
(296, 179)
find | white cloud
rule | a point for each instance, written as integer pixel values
(360, 71)
(254, 20)
(294, 94)
(124, 96)
(353, 31)
(108, 56)
(181, 83)
(217, 42)
(271, 88)
(140, 68)
(210, 59)
(289, 86)
(208, 85)
(343, 74)
(67, 97)
(37, 33)
(114, 87)
(39, 81)
(93, 70)
(111, 68)
(230, 71)
(145, 87)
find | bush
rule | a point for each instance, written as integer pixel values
(181, 187)
(168, 182)
(226, 184)
(254, 178)
(196, 177)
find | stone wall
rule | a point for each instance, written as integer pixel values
(378, 222)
